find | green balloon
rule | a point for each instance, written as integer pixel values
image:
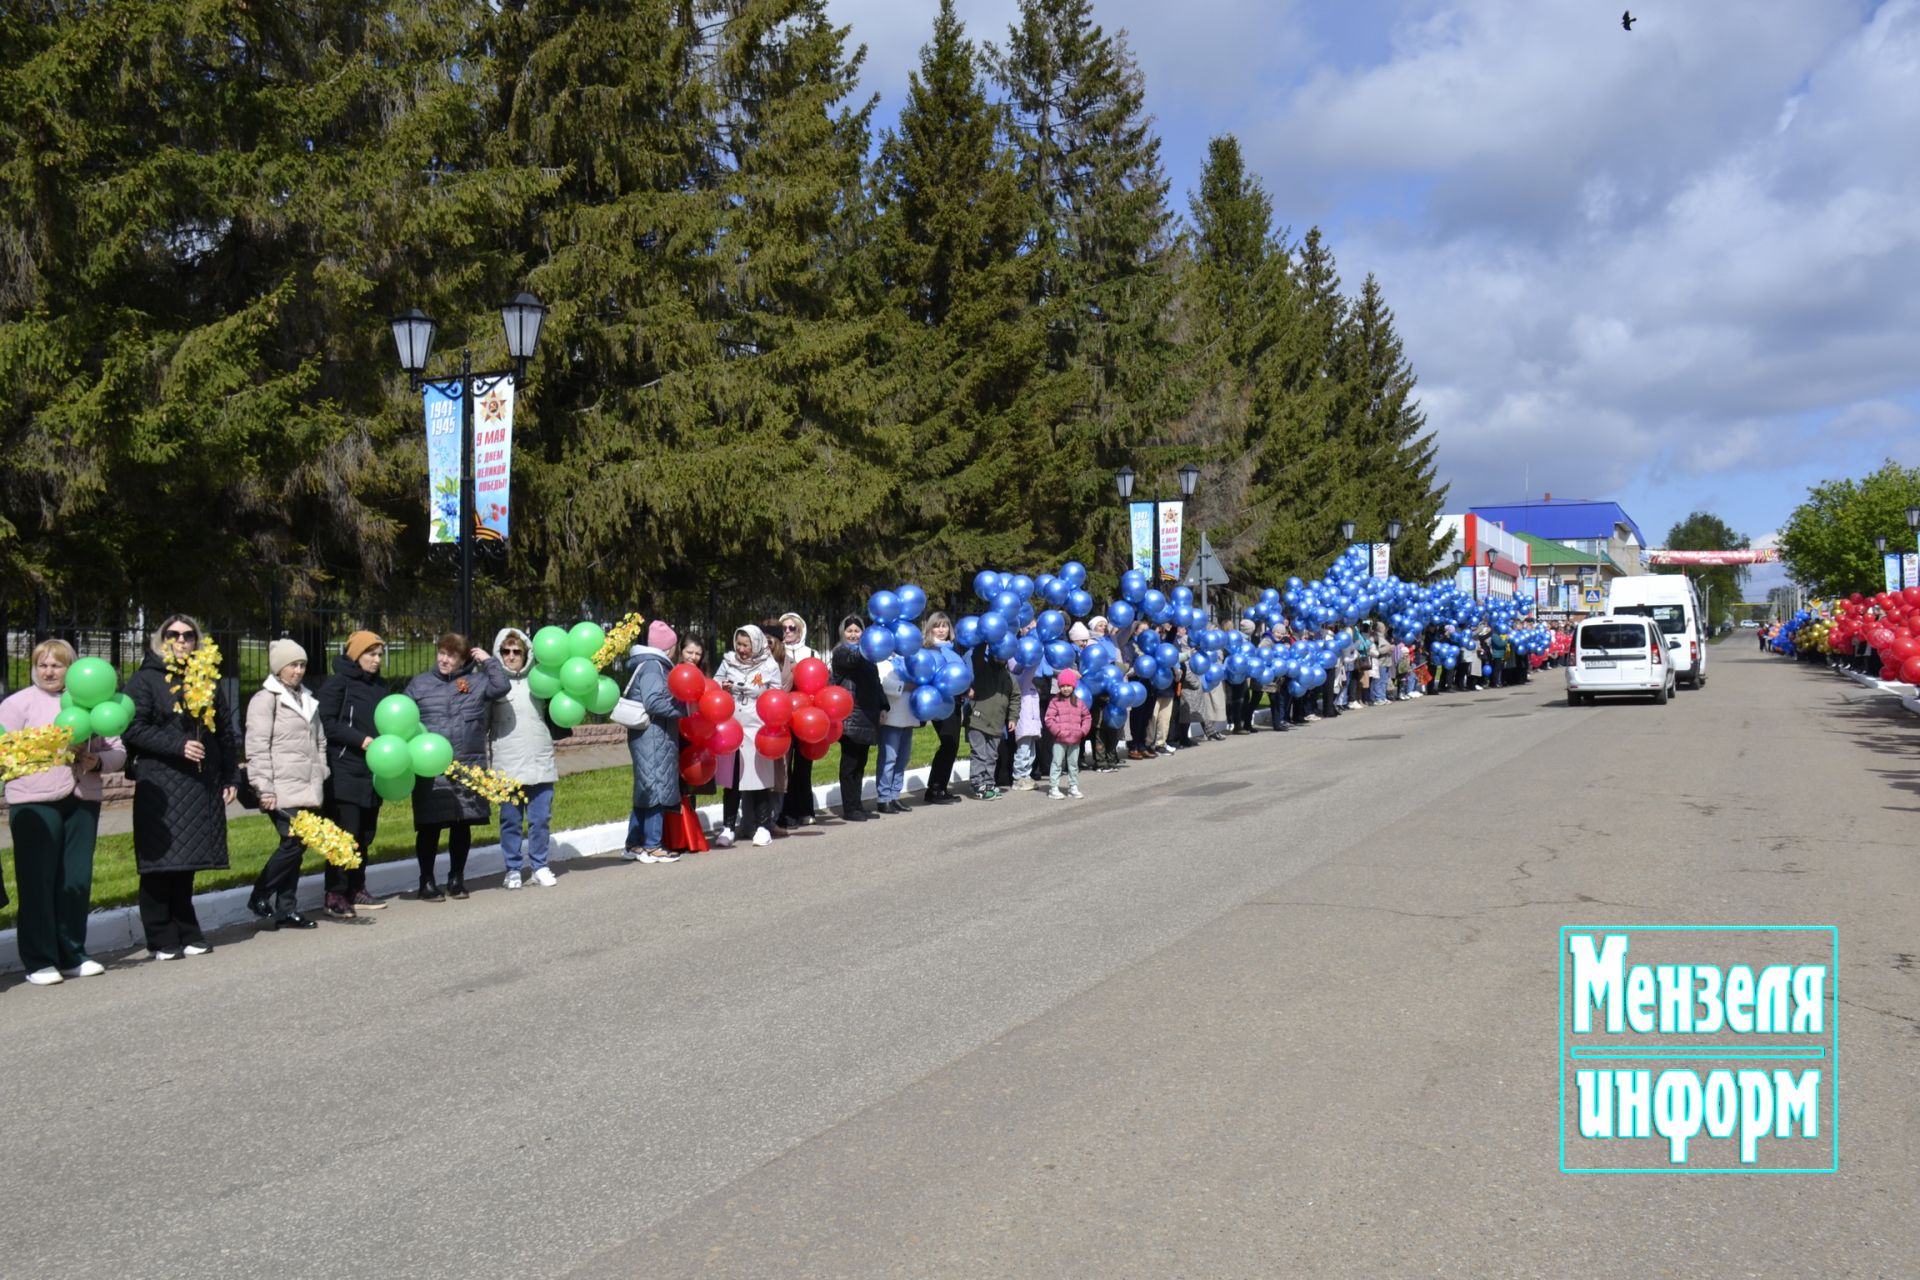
(388, 757)
(550, 647)
(112, 717)
(91, 682)
(397, 715)
(579, 677)
(393, 788)
(543, 682)
(66, 702)
(566, 710)
(76, 722)
(586, 639)
(605, 695)
(431, 754)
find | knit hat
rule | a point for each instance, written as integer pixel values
(1068, 679)
(661, 636)
(282, 652)
(1078, 633)
(1246, 626)
(357, 643)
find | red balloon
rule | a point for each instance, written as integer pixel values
(686, 682)
(811, 724)
(775, 707)
(1912, 595)
(716, 706)
(795, 701)
(696, 766)
(815, 750)
(771, 742)
(811, 675)
(727, 737)
(835, 701)
(696, 729)
(1910, 670)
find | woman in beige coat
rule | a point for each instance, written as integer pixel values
(287, 765)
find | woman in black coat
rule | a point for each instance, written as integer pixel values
(456, 701)
(855, 673)
(347, 701)
(184, 777)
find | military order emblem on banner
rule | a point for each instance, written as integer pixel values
(1171, 516)
(493, 460)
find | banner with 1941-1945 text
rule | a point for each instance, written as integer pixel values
(492, 458)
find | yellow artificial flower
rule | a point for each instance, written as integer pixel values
(194, 680)
(622, 638)
(326, 838)
(490, 785)
(26, 751)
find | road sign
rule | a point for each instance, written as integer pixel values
(1596, 595)
(1205, 571)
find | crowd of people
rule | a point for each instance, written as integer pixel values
(1027, 727)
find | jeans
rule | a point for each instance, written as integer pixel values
(984, 748)
(537, 814)
(1068, 758)
(1377, 691)
(646, 828)
(1023, 753)
(53, 862)
(896, 748)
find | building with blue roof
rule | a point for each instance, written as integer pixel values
(1597, 528)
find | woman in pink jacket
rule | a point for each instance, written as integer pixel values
(54, 815)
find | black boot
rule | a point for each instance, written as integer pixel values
(430, 892)
(456, 888)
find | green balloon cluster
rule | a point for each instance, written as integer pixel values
(564, 676)
(404, 751)
(93, 705)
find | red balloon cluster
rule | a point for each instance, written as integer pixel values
(711, 731)
(811, 715)
(1890, 624)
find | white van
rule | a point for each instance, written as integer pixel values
(1668, 599)
(1619, 654)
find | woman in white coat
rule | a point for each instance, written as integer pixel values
(896, 738)
(287, 766)
(520, 744)
(748, 671)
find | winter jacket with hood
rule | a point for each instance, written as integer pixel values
(1069, 720)
(286, 746)
(520, 743)
(179, 819)
(655, 750)
(346, 714)
(458, 707)
(746, 679)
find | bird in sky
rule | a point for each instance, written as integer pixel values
(1627, 20)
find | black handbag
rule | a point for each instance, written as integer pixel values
(858, 728)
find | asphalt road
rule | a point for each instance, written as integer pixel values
(1283, 1006)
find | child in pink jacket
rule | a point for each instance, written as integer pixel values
(1069, 721)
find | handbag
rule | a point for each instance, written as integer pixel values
(858, 728)
(244, 791)
(630, 711)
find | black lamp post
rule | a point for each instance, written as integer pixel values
(1348, 527)
(1123, 485)
(413, 334)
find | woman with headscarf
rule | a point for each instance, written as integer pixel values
(184, 775)
(748, 671)
(797, 810)
(520, 738)
(939, 635)
(456, 700)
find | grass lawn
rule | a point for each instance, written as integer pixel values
(581, 800)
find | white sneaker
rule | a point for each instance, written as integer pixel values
(1073, 793)
(164, 955)
(1056, 793)
(635, 855)
(666, 855)
(45, 978)
(513, 880)
(545, 878)
(85, 969)
(762, 837)
(724, 838)
(194, 949)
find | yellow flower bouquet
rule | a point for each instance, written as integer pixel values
(622, 638)
(194, 680)
(326, 838)
(490, 785)
(26, 751)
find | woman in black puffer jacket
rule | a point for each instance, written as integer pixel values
(456, 701)
(347, 701)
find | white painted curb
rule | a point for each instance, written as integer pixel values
(118, 928)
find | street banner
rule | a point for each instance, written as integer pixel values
(1382, 559)
(1910, 569)
(1482, 581)
(1760, 555)
(1543, 593)
(1890, 568)
(1171, 514)
(493, 459)
(442, 404)
(1140, 518)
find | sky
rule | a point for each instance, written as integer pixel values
(1677, 267)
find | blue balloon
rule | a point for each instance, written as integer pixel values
(883, 606)
(1183, 595)
(906, 638)
(1029, 648)
(1004, 647)
(926, 703)
(1145, 666)
(913, 601)
(1060, 654)
(1055, 591)
(1024, 618)
(1120, 614)
(993, 627)
(925, 666)
(876, 644)
(1133, 586)
(1115, 715)
(966, 632)
(1006, 604)
(1153, 603)
(1168, 655)
(1079, 603)
(1075, 573)
(1051, 625)
(986, 584)
(955, 679)
(1022, 586)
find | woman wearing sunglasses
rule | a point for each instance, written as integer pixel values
(797, 810)
(183, 782)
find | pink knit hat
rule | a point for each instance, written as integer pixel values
(1068, 679)
(661, 636)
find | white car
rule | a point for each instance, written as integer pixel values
(1620, 654)
(1669, 599)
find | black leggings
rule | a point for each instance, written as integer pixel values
(853, 772)
(426, 846)
(940, 773)
(359, 821)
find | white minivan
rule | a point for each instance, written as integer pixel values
(1669, 599)
(1619, 654)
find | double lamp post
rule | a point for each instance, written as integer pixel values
(1123, 485)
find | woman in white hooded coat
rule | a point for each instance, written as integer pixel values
(748, 777)
(520, 744)
(797, 810)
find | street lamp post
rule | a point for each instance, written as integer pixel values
(1123, 485)
(1348, 527)
(413, 334)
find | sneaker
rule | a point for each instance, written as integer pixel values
(762, 837)
(1073, 793)
(164, 955)
(667, 855)
(338, 907)
(545, 878)
(85, 969)
(513, 880)
(1055, 793)
(196, 949)
(724, 838)
(1023, 784)
(45, 978)
(636, 855)
(367, 902)
(1310, 718)
(1167, 748)
(987, 793)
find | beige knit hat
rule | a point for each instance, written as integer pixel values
(282, 652)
